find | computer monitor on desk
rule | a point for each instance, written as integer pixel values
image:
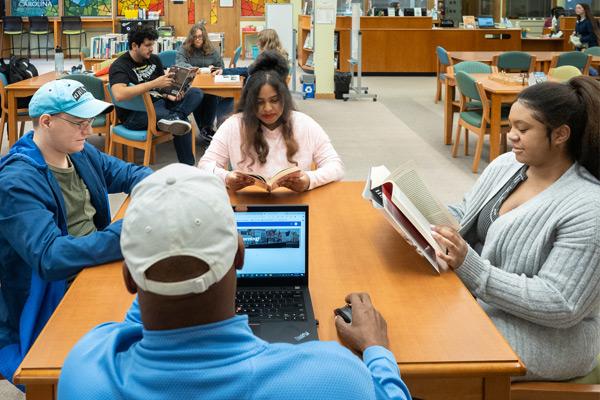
(485, 21)
(409, 12)
(380, 11)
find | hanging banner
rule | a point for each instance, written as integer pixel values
(149, 5)
(191, 12)
(88, 8)
(214, 18)
(26, 8)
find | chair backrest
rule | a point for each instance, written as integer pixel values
(134, 104)
(517, 61)
(575, 58)
(93, 85)
(236, 57)
(467, 85)
(564, 73)
(592, 51)
(39, 24)
(3, 79)
(442, 55)
(167, 58)
(12, 24)
(71, 23)
(472, 67)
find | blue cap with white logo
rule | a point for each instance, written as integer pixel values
(66, 96)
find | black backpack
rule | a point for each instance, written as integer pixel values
(19, 68)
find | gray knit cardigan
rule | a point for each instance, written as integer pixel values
(538, 274)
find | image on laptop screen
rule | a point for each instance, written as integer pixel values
(275, 243)
(485, 22)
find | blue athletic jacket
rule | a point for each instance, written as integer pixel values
(36, 252)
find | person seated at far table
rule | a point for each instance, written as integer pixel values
(198, 51)
(268, 39)
(138, 71)
(267, 135)
(529, 246)
(182, 249)
(54, 214)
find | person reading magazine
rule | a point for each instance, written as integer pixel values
(410, 207)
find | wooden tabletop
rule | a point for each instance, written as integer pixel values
(435, 325)
(34, 83)
(494, 86)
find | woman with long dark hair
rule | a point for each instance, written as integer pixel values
(529, 245)
(587, 28)
(267, 135)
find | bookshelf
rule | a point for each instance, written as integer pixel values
(306, 44)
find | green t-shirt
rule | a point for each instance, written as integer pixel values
(80, 211)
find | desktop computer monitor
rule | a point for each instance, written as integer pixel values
(485, 21)
(380, 11)
(409, 12)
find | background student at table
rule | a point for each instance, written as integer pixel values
(267, 135)
(55, 215)
(198, 51)
(586, 27)
(531, 229)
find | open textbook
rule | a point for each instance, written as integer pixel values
(270, 184)
(410, 207)
(183, 78)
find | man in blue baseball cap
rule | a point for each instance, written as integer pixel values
(54, 213)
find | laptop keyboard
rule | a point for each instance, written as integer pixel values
(271, 305)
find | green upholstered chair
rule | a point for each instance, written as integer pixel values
(236, 56)
(584, 388)
(13, 27)
(593, 51)
(474, 120)
(167, 58)
(577, 59)
(39, 26)
(564, 73)
(514, 61)
(72, 26)
(443, 62)
(101, 124)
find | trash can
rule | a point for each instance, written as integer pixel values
(308, 86)
(341, 81)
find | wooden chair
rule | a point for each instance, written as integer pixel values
(514, 61)
(443, 62)
(22, 113)
(575, 58)
(145, 140)
(95, 86)
(475, 120)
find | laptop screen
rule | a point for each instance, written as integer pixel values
(275, 239)
(485, 22)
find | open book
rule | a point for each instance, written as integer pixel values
(410, 207)
(270, 184)
(182, 77)
(227, 78)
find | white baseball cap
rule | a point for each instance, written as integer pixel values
(179, 211)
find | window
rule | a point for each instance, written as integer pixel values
(528, 8)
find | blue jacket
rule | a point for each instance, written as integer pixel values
(222, 360)
(36, 252)
(585, 30)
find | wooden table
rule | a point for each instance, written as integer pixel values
(28, 87)
(498, 93)
(542, 58)
(445, 344)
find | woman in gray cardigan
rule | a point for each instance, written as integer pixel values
(529, 246)
(198, 51)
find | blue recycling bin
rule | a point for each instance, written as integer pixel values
(308, 86)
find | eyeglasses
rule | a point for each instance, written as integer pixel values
(83, 125)
(198, 37)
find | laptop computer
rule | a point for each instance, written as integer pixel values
(273, 284)
(485, 21)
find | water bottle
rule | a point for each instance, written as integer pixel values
(59, 60)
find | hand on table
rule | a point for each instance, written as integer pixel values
(368, 328)
(297, 181)
(236, 181)
(448, 238)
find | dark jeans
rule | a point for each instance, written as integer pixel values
(166, 109)
(214, 106)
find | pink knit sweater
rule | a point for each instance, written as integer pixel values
(314, 146)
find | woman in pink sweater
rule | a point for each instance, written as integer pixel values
(267, 135)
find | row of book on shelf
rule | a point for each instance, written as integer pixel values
(106, 46)
(308, 41)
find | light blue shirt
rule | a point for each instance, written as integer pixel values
(223, 360)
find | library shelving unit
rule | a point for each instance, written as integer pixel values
(341, 44)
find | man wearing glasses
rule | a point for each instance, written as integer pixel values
(54, 212)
